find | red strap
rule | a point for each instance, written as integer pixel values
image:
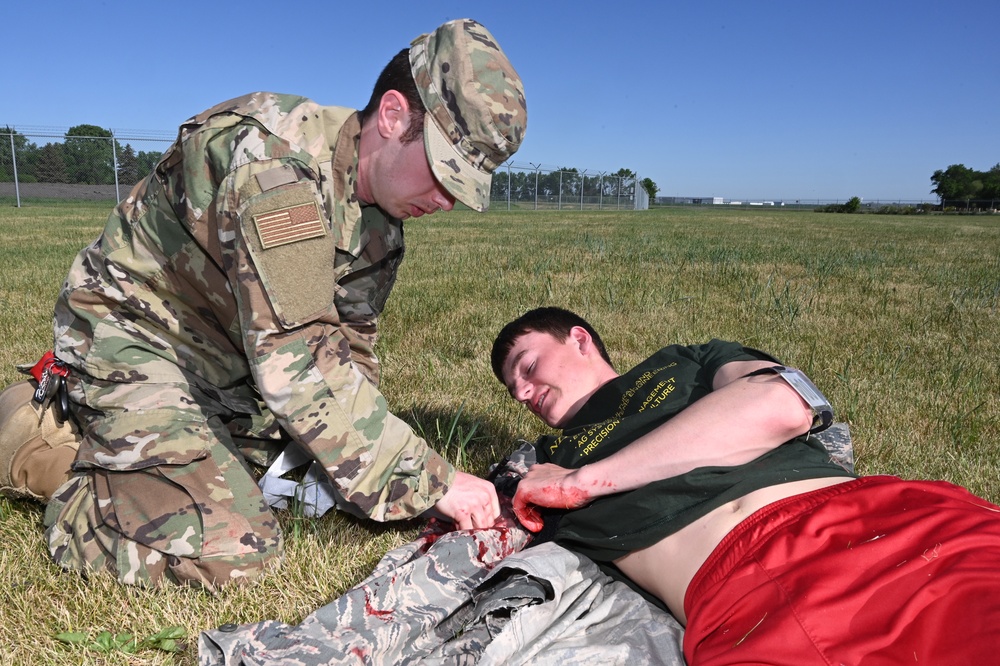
(52, 364)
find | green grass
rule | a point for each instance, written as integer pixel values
(895, 318)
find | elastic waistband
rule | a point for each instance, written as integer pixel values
(761, 524)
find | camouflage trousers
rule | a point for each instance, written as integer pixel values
(164, 494)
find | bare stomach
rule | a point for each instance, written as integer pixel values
(666, 568)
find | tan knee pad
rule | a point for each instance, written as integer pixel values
(35, 450)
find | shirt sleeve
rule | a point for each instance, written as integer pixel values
(712, 355)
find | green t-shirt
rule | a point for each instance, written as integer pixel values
(637, 402)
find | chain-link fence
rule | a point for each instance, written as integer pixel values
(868, 205)
(43, 164)
(881, 206)
(532, 187)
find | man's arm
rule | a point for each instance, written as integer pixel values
(302, 363)
(740, 420)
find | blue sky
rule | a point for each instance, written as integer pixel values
(765, 100)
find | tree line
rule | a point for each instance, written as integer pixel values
(960, 183)
(85, 155)
(520, 184)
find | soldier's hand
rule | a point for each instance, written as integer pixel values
(471, 502)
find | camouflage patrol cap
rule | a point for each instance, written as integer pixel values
(476, 113)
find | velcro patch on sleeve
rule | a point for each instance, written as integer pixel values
(276, 177)
(292, 251)
(289, 225)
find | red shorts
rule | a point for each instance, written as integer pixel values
(873, 571)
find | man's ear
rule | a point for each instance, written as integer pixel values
(393, 114)
(581, 337)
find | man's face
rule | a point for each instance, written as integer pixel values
(404, 185)
(551, 378)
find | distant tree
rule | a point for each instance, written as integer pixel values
(650, 187)
(852, 205)
(991, 183)
(128, 165)
(22, 152)
(146, 161)
(569, 180)
(50, 167)
(522, 185)
(88, 155)
(548, 184)
(622, 182)
(955, 182)
(498, 186)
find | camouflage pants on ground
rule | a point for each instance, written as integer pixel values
(163, 494)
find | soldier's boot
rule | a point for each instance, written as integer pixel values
(35, 450)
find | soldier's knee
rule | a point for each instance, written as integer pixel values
(83, 538)
(213, 573)
(137, 564)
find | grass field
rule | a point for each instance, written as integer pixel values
(895, 318)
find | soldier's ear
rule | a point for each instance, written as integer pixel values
(393, 114)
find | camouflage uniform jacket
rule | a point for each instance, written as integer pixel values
(245, 268)
(465, 597)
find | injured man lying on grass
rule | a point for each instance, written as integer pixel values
(696, 475)
(700, 480)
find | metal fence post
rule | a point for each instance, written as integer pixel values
(13, 159)
(114, 165)
(583, 184)
(536, 167)
(508, 185)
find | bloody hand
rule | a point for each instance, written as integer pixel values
(547, 485)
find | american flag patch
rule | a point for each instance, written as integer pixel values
(288, 225)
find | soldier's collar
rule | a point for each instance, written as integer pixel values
(347, 208)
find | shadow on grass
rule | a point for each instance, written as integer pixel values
(471, 442)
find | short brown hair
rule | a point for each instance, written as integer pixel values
(557, 322)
